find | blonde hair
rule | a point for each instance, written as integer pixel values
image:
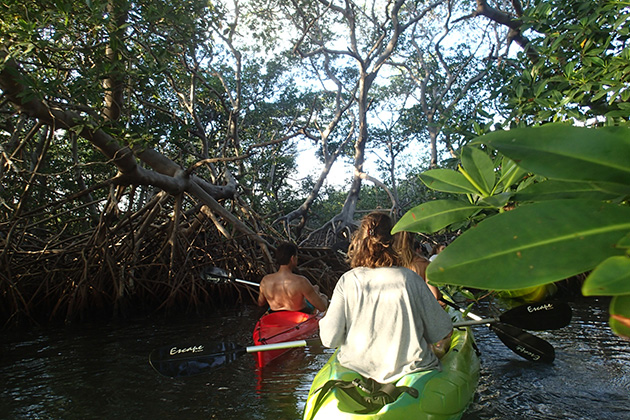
(371, 244)
(403, 244)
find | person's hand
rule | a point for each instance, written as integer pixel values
(325, 298)
(439, 350)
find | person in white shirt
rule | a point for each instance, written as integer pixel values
(382, 317)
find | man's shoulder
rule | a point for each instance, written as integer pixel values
(297, 278)
(300, 281)
(269, 278)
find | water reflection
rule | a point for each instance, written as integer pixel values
(103, 372)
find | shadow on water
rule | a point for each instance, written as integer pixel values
(103, 372)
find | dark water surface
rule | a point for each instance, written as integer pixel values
(97, 372)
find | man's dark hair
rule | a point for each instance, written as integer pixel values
(284, 252)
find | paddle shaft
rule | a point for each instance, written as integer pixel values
(462, 310)
(250, 283)
(188, 360)
(480, 321)
(283, 345)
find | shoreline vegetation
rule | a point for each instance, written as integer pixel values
(133, 265)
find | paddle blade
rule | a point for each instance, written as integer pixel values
(539, 316)
(218, 275)
(215, 275)
(524, 344)
(177, 361)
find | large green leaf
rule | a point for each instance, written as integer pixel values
(497, 200)
(624, 242)
(509, 173)
(555, 189)
(448, 181)
(610, 278)
(480, 168)
(533, 244)
(562, 151)
(620, 315)
(434, 215)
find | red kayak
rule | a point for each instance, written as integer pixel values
(281, 326)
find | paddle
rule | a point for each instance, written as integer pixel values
(520, 342)
(524, 344)
(216, 274)
(536, 317)
(548, 315)
(187, 360)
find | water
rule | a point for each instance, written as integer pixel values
(590, 378)
(96, 372)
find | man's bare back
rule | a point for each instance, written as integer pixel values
(287, 291)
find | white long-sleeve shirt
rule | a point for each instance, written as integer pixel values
(382, 320)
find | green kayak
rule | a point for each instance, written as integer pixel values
(529, 295)
(438, 394)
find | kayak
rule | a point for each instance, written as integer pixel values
(530, 294)
(427, 395)
(281, 326)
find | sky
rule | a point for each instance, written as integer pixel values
(308, 164)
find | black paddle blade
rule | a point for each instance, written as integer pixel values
(539, 316)
(524, 344)
(215, 275)
(177, 361)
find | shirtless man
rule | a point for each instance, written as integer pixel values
(286, 291)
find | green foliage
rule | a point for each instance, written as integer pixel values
(434, 215)
(556, 237)
(174, 70)
(534, 244)
(484, 185)
(576, 63)
(609, 278)
(448, 181)
(571, 209)
(327, 205)
(620, 315)
(581, 157)
(269, 171)
(61, 48)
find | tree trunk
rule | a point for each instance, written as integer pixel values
(346, 216)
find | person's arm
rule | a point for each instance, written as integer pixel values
(420, 265)
(438, 323)
(438, 295)
(312, 294)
